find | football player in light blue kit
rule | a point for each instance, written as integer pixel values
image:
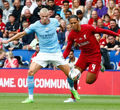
(50, 51)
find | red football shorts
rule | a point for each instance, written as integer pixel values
(92, 62)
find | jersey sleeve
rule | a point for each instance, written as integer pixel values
(56, 22)
(69, 46)
(104, 31)
(30, 29)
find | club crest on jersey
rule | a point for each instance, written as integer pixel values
(46, 29)
(80, 38)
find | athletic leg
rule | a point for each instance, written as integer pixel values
(75, 87)
(76, 82)
(91, 78)
(34, 67)
(66, 70)
(71, 85)
(93, 71)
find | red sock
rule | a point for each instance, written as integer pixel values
(75, 86)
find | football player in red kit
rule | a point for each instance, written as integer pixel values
(90, 55)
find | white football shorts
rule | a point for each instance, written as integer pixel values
(44, 59)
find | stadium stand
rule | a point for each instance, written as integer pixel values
(27, 11)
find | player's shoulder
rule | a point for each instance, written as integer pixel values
(72, 32)
(86, 25)
(35, 23)
(54, 20)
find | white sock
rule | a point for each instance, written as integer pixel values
(31, 97)
(72, 88)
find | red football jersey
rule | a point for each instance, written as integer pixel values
(103, 42)
(34, 55)
(2, 26)
(8, 65)
(86, 40)
(107, 25)
(91, 20)
(95, 1)
(117, 1)
(60, 2)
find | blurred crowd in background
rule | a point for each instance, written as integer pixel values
(17, 15)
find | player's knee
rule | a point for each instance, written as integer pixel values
(90, 81)
(30, 72)
(91, 78)
(74, 74)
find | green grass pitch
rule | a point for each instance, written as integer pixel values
(55, 102)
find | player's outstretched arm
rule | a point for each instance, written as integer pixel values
(17, 36)
(105, 31)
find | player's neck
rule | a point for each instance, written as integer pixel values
(47, 22)
(78, 29)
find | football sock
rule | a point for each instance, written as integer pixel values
(71, 83)
(30, 81)
(30, 96)
(75, 86)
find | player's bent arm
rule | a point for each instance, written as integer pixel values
(17, 36)
(69, 45)
(68, 49)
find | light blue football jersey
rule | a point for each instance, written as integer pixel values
(47, 35)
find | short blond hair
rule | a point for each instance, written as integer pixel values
(44, 10)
